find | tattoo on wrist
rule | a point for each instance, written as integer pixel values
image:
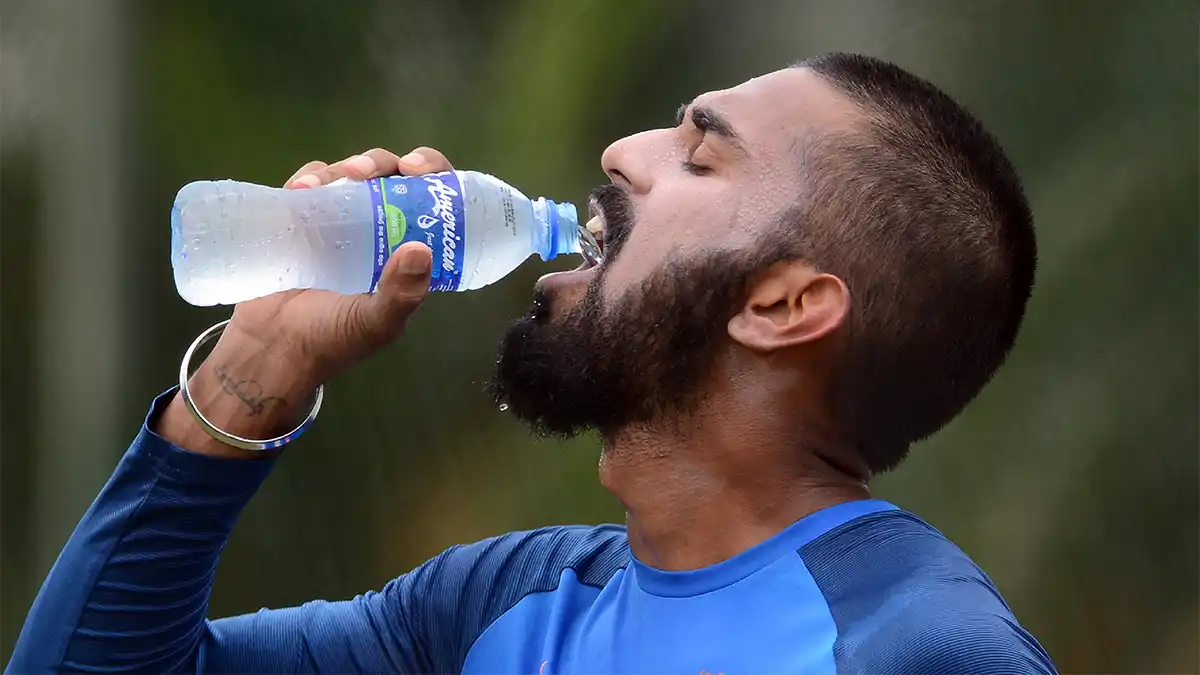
(249, 392)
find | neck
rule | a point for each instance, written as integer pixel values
(701, 492)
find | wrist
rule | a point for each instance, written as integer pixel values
(246, 389)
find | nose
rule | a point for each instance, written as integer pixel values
(630, 162)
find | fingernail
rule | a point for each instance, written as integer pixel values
(362, 164)
(415, 264)
(307, 180)
(413, 159)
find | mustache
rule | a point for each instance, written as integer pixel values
(616, 206)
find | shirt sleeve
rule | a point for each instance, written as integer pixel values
(130, 589)
(950, 640)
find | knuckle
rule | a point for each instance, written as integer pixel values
(432, 155)
(386, 161)
(407, 300)
(352, 329)
(310, 167)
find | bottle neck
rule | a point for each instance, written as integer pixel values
(560, 228)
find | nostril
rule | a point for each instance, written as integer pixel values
(619, 178)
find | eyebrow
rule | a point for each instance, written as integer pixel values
(709, 120)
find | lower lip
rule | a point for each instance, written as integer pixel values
(584, 271)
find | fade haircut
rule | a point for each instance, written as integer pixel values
(923, 217)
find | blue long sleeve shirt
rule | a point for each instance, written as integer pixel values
(859, 587)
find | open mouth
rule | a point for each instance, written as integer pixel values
(591, 245)
(592, 236)
(591, 241)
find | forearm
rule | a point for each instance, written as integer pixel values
(129, 590)
(245, 388)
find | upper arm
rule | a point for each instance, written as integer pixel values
(367, 634)
(982, 644)
(906, 600)
(949, 641)
(130, 590)
(400, 628)
(423, 621)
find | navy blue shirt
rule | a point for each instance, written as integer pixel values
(861, 587)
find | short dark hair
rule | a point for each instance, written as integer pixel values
(924, 218)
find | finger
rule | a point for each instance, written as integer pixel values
(402, 287)
(405, 278)
(387, 163)
(306, 170)
(370, 164)
(424, 160)
(357, 167)
(354, 166)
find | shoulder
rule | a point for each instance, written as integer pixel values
(943, 633)
(889, 559)
(538, 557)
(905, 599)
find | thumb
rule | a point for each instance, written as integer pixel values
(402, 286)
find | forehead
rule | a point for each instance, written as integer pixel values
(776, 111)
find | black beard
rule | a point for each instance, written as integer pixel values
(640, 360)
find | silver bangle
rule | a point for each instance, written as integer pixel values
(220, 434)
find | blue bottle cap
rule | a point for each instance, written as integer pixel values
(563, 219)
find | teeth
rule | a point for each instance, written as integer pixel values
(595, 225)
(589, 240)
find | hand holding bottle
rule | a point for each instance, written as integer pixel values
(277, 349)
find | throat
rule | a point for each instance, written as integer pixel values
(691, 505)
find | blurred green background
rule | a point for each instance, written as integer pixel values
(1072, 480)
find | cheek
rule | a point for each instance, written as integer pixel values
(680, 217)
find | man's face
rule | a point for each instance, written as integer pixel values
(693, 212)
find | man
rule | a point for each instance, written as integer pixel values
(805, 275)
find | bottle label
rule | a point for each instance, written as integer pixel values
(428, 209)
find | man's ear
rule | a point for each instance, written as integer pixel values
(790, 304)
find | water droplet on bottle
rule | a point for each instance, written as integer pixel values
(346, 197)
(503, 407)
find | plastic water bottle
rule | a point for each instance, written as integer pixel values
(234, 241)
